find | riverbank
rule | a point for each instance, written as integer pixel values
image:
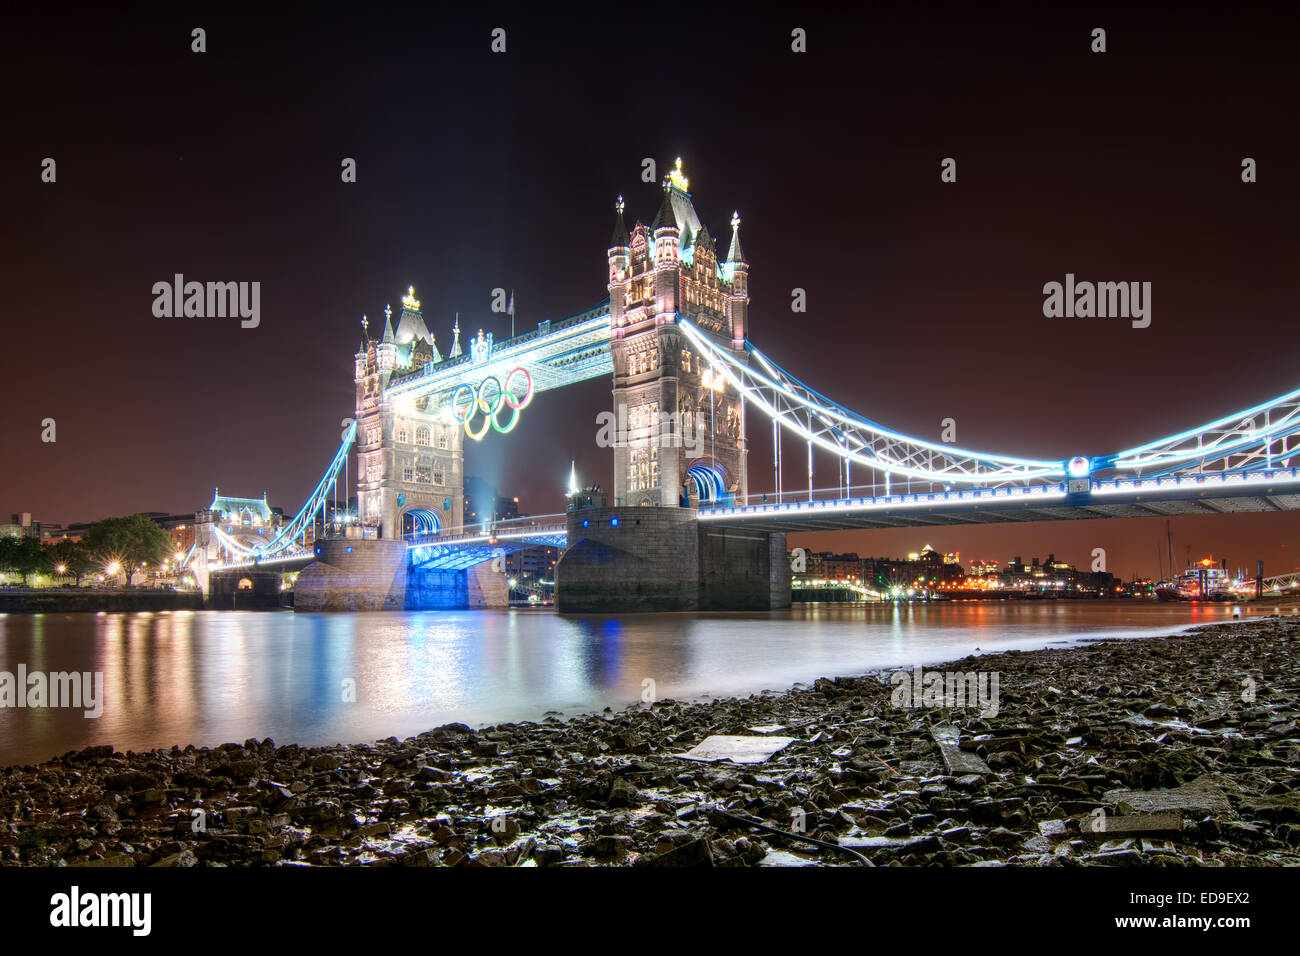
(89, 600)
(1080, 734)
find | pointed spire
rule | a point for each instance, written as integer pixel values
(621, 239)
(705, 241)
(433, 344)
(389, 338)
(735, 253)
(667, 219)
(455, 344)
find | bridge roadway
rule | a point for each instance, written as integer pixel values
(474, 544)
(1265, 491)
(1277, 490)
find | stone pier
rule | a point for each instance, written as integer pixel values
(663, 559)
(354, 574)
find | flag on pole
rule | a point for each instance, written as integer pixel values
(511, 309)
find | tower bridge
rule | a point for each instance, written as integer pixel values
(685, 530)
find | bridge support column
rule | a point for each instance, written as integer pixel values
(629, 559)
(354, 574)
(742, 570)
(663, 559)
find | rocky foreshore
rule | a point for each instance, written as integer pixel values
(1177, 751)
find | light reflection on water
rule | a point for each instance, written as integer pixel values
(211, 677)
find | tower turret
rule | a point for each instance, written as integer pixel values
(667, 256)
(619, 256)
(737, 269)
(387, 350)
(455, 342)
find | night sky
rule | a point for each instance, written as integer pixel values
(479, 170)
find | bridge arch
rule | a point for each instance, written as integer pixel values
(419, 522)
(708, 481)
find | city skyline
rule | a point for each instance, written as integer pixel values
(932, 290)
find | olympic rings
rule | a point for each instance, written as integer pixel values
(489, 398)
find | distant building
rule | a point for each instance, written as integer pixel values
(536, 563)
(21, 526)
(250, 522)
(241, 512)
(841, 567)
(484, 505)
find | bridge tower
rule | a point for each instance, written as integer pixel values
(410, 459)
(681, 427)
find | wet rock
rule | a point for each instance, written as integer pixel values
(183, 858)
(695, 852)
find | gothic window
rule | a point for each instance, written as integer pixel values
(402, 436)
(422, 435)
(442, 442)
(408, 473)
(437, 478)
(686, 360)
(423, 475)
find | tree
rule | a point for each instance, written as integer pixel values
(23, 555)
(74, 558)
(129, 542)
(8, 552)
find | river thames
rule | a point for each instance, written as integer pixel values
(208, 677)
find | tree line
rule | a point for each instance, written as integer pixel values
(110, 547)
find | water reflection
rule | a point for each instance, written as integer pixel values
(211, 677)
